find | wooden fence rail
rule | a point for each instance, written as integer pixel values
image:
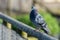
(29, 30)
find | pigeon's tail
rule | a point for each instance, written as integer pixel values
(46, 30)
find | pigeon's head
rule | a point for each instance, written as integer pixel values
(34, 8)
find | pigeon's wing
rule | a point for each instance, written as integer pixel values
(39, 20)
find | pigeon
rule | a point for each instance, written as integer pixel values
(38, 20)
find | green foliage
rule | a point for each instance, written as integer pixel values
(51, 21)
(25, 19)
(0, 20)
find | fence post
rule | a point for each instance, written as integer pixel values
(9, 25)
(24, 34)
(10, 33)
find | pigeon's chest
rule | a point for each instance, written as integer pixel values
(32, 16)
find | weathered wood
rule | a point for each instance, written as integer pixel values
(7, 34)
(31, 31)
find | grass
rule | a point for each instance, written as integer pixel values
(25, 19)
(51, 21)
(0, 21)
